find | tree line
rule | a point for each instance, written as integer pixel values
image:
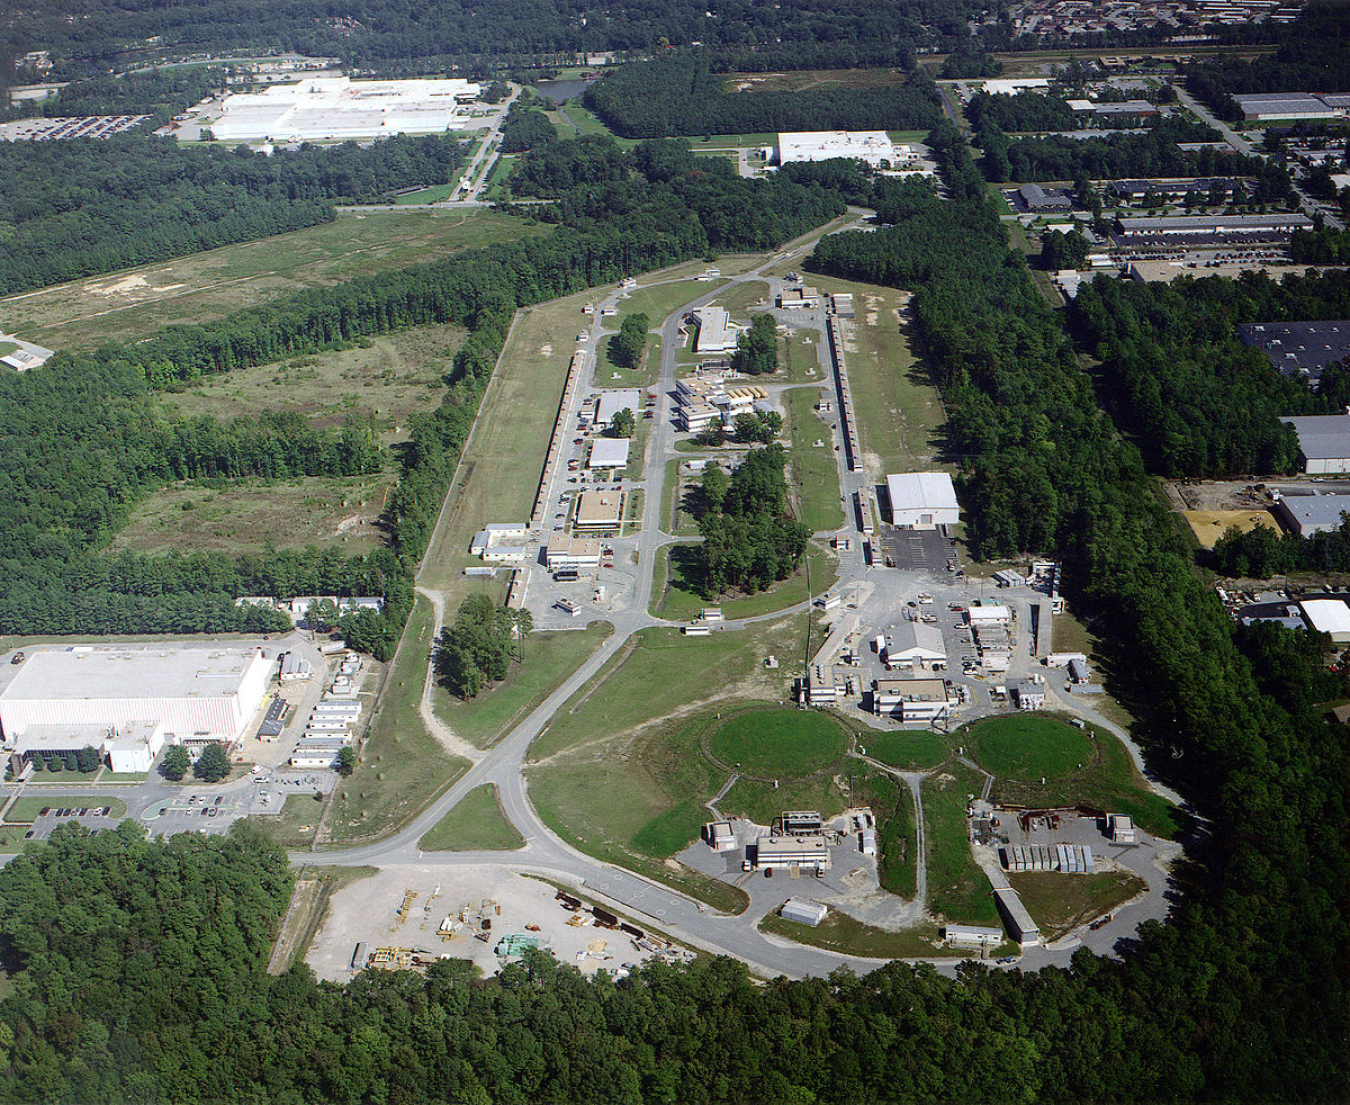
(1176, 376)
(680, 95)
(480, 645)
(84, 206)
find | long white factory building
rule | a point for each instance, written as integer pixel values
(193, 695)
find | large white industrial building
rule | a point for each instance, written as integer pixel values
(923, 500)
(1323, 442)
(338, 108)
(872, 146)
(134, 699)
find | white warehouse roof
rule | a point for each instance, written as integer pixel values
(872, 146)
(83, 672)
(921, 491)
(614, 401)
(1327, 615)
(609, 452)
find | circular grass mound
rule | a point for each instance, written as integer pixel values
(779, 744)
(1029, 748)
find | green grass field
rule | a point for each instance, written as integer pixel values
(1029, 747)
(893, 806)
(250, 515)
(549, 659)
(1060, 903)
(799, 360)
(778, 743)
(25, 810)
(433, 194)
(909, 749)
(387, 378)
(813, 474)
(475, 824)
(762, 802)
(402, 766)
(128, 305)
(899, 412)
(295, 824)
(658, 300)
(957, 889)
(679, 600)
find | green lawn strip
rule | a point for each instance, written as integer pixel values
(893, 807)
(587, 122)
(402, 767)
(496, 188)
(26, 809)
(957, 889)
(475, 824)
(294, 825)
(1107, 781)
(432, 194)
(778, 742)
(899, 412)
(658, 300)
(1029, 746)
(909, 749)
(680, 600)
(124, 776)
(670, 497)
(812, 472)
(734, 141)
(996, 191)
(739, 298)
(799, 361)
(1061, 903)
(660, 671)
(549, 659)
(842, 933)
(908, 136)
(762, 802)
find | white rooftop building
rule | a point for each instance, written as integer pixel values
(923, 500)
(196, 694)
(609, 452)
(872, 146)
(615, 400)
(1328, 616)
(338, 108)
(716, 332)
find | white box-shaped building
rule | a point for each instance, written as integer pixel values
(609, 452)
(615, 400)
(872, 146)
(922, 500)
(195, 694)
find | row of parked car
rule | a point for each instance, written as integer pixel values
(72, 811)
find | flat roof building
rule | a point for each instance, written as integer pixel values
(609, 452)
(803, 912)
(792, 851)
(716, 332)
(1020, 925)
(1211, 226)
(1309, 514)
(1323, 442)
(598, 510)
(915, 641)
(1259, 106)
(1331, 616)
(923, 500)
(206, 694)
(582, 553)
(613, 401)
(1036, 198)
(910, 699)
(1300, 348)
(1029, 696)
(872, 146)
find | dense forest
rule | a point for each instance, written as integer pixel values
(75, 208)
(1241, 996)
(159, 93)
(1262, 552)
(404, 37)
(1175, 375)
(1115, 155)
(81, 440)
(681, 95)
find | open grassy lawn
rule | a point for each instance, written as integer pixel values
(762, 802)
(779, 742)
(549, 659)
(899, 412)
(25, 810)
(11, 839)
(842, 933)
(295, 824)
(1060, 903)
(128, 305)
(475, 824)
(897, 851)
(249, 515)
(813, 474)
(957, 889)
(739, 298)
(587, 122)
(799, 360)
(659, 673)
(497, 181)
(433, 194)
(1029, 747)
(511, 434)
(388, 378)
(1108, 781)
(658, 300)
(909, 749)
(679, 599)
(402, 767)
(732, 141)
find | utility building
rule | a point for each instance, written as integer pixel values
(915, 642)
(1323, 442)
(922, 500)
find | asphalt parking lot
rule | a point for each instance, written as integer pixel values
(916, 550)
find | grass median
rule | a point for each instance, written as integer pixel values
(475, 823)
